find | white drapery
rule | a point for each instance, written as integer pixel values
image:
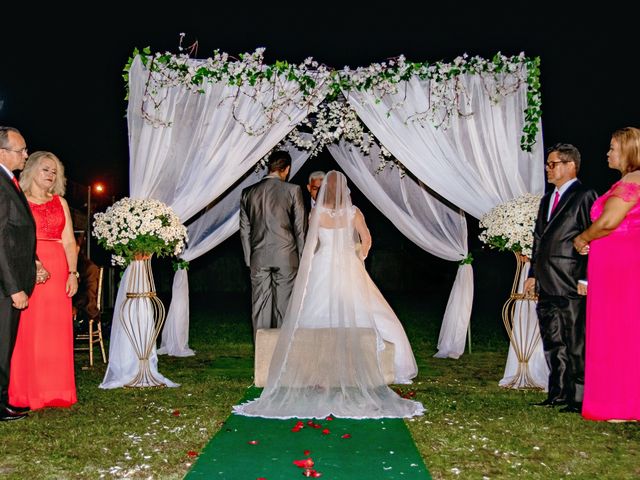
(476, 162)
(426, 221)
(193, 158)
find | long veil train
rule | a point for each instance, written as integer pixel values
(328, 357)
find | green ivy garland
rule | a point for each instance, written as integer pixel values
(312, 77)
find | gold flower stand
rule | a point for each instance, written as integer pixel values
(142, 317)
(523, 336)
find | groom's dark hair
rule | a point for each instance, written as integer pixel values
(279, 160)
(567, 153)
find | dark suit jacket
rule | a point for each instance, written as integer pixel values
(17, 240)
(273, 223)
(555, 264)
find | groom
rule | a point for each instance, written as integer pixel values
(273, 224)
(555, 270)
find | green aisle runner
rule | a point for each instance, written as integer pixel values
(250, 448)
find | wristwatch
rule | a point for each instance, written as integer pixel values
(75, 274)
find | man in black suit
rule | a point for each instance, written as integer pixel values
(273, 224)
(555, 270)
(17, 257)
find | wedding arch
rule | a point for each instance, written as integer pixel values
(468, 132)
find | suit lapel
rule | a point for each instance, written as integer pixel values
(16, 195)
(564, 201)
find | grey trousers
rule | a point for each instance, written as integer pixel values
(270, 292)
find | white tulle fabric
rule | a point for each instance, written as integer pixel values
(425, 220)
(476, 162)
(328, 357)
(192, 158)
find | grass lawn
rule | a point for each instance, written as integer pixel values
(472, 428)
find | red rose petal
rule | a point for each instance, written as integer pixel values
(296, 429)
(346, 435)
(326, 431)
(307, 453)
(306, 463)
(192, 454)
(252, 442)
(176, 413)
(329, 418)
(317, 425)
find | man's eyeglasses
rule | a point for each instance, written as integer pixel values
(22, 150)
(552, 165)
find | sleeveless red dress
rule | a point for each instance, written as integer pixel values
(42, 369)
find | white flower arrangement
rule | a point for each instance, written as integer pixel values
(132, 227)
(509, 226)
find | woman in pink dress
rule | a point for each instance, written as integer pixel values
(612, 373)
(42, 370)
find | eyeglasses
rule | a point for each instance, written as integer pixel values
(22, 150)
(552, 165)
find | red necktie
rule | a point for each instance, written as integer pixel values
(556, 199)
(15, 182)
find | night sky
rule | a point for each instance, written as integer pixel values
(61, 85)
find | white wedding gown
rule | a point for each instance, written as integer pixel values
(367, 301)
(328, 357)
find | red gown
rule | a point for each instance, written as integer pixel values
(42, 367)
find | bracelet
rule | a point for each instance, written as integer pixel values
(75, 274)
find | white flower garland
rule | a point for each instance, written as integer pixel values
(135, 226)
(502, 76)
(509, 226)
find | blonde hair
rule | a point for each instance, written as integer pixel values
(629, 139)
(30, 167)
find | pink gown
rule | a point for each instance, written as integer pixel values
(42, 370)
(612, 368)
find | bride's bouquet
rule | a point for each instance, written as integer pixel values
(509, 226)
(134, 227)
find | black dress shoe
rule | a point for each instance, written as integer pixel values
(18, 409)
(572, 408)
(7, 415)
(549, 403)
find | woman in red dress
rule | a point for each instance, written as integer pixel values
(42, 370)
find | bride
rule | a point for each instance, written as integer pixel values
(328, 357)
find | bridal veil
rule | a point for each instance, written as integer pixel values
(327, 359)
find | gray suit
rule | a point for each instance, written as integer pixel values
(273, 223)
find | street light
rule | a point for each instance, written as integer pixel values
(99, 188)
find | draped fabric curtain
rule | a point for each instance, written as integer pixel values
(475, 161)
(193, 157)
(207, 232)
(425, 220)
